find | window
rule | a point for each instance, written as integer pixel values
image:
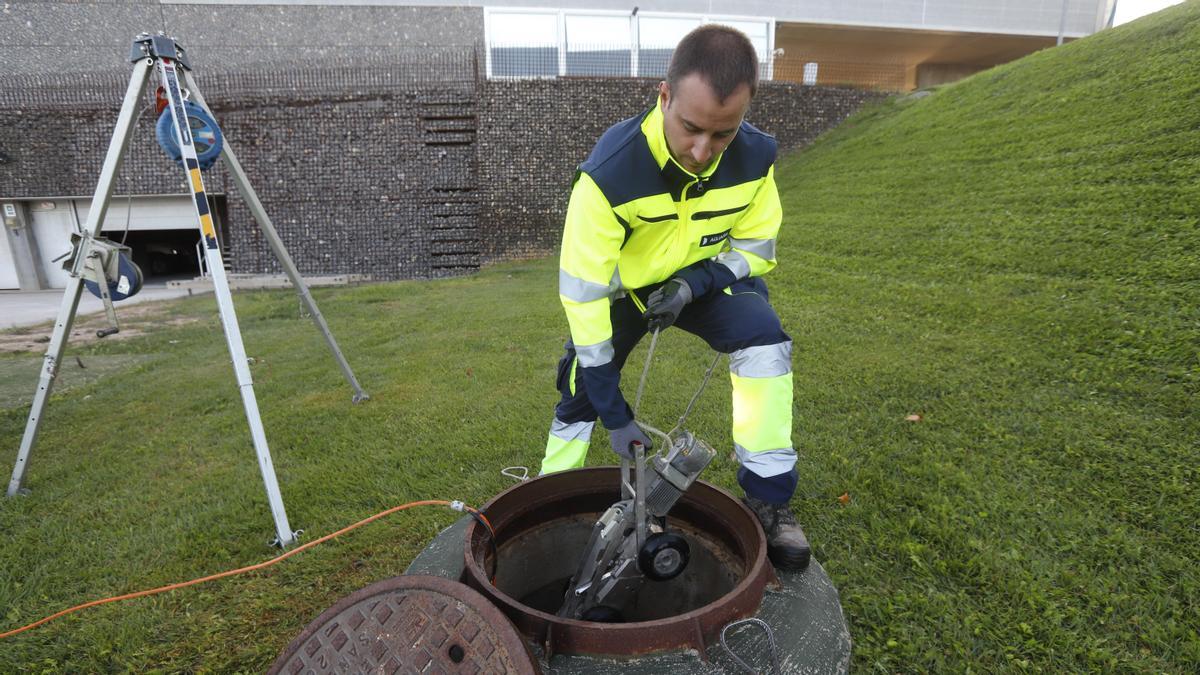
(599, 44)
(550, 43)
(522, 44)
(657, 37)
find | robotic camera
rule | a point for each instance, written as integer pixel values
(630, 542)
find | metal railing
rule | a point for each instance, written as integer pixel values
(523, 61)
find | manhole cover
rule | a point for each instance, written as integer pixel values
(408, 624)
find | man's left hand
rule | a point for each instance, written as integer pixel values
(665, 304)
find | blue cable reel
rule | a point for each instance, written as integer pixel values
(127, 282)
(206, 135)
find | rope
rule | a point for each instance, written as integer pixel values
(770, 641)
(696, 396)
(637, 402)
(642, 387)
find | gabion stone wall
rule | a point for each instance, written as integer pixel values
(533, 133)
(357, 185)
(370, 168)
(56, 150)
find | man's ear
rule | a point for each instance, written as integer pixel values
(664, 93)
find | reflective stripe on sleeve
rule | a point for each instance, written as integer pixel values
(736, 262)
(763, 248)
(764, 361)
(579, 290)
(598, 354)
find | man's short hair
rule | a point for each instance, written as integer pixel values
(723, 56)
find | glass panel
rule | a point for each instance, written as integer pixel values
(657, 37)
(523, 44)
(658, 32)
(653, 62)
(598, 45)
(507, 29)
(599, 62)
(585, 30)
(524, 61)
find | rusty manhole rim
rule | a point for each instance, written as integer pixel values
(759, 575)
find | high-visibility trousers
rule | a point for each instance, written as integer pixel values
(738, 321)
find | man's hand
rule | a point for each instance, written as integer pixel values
(665, 304)
(624, 438)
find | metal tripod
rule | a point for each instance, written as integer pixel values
(161, 52)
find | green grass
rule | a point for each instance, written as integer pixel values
(1015, 258)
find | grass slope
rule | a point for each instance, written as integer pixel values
(1013, 257)
(1017, 258)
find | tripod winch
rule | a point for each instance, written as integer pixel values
(188, 131)
(108, 272)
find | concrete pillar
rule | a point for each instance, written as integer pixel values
(18, 227)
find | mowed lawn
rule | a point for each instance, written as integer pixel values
(1013, 258)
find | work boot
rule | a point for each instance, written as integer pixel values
(786, 544)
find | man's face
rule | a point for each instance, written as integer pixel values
(698, 127)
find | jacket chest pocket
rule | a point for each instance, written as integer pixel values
(714, 225)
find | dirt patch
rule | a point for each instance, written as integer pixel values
(19, 375)
(135, 320)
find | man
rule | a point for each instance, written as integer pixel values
(672, 221)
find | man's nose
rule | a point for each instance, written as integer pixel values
(702, 151)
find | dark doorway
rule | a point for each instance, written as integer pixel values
(163, 255)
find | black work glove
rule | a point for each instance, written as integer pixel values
(624, 438)
(665, 304)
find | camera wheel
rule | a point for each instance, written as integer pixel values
(663, 556)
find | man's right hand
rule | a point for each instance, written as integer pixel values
(624, 438)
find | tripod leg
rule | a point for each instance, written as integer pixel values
(233, 334)
(264, 221)
(54, 352)
(70, 301)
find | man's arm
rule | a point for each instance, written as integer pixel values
(751, 245)
(591, 245)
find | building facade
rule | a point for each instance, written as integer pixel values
(410, 140)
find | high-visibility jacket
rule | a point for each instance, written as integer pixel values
(637, 218)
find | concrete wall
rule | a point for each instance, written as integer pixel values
(94, 35)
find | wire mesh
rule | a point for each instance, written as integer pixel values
(268, 75)
(514, 61)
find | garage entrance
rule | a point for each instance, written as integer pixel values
(161, 231)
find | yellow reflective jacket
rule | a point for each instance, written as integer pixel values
(636, 218)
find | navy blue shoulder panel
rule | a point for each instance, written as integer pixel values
(747, 158)
(622, 165)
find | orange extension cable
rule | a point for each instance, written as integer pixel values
(249, 568)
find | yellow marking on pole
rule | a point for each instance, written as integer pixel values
(206, 226)
(197, 185)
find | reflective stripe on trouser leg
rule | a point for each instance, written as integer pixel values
(567, 446)
(762, 415)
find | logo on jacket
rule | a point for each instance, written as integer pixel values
(710, 239)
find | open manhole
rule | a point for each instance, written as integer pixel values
(542, 527)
